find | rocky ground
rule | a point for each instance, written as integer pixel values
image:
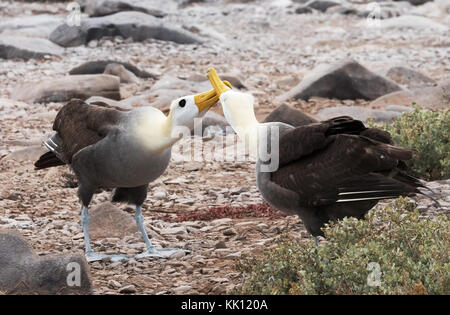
(266, 46)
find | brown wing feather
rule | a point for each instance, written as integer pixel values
(323, 169)
(80, 125)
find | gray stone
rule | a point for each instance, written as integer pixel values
(358, 112)
(23, 272)
(135, 25)
(416, 2)
(303, 10)
(96, 8)
(321, 5)
(27, 48)
(129, 289)
(68, 87)
(409, 77)
(107, 220)
(99, 66)
(291, 116)
(346, 79)
(120, 71)
(434, 97)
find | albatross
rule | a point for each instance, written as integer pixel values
(326, 170)
(110, 147)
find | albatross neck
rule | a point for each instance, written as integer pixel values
(244, 123)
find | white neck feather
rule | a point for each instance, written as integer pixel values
(239, 112)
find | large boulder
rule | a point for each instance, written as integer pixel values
(343, 80)
(359, 112)
(107, 7)
(68, 87)
(27, 48)
(408, 77)
(99, 66)
(291, 116)
(136, 25)
(24, 272)
(40, 25)
(434, 97)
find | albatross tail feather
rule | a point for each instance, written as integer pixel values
(48, 159)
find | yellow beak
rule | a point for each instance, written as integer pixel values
(206, 99)
(218, 85)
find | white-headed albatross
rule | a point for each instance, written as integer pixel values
(126, 150)
(327, 170)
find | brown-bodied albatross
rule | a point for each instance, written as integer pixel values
(126, 150)
(326, 170)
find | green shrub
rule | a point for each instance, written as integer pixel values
(412, 254)
(429, 133)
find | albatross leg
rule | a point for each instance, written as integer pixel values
(151, 250)
(89, 253)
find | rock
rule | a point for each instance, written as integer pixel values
(128, 289)
(113, 284)
(27, 48)
(212, 119)
(434, 97)
(98, 100)
(23, 272)
(31, 153)
(343, 80)
(135, 25)
(121, 72)
(291, 116)
(234, 79)
(220, 245)
(68, 87)
(182, 289)
(109, 221)
(339, 9)
(321, 5)
(415, 2)
(107, 7)
(229, 232)
(358, 112)
(409, 77)
(99, 66)
(31, 26)
(304, 10)
(165, 90)
(234, 255)
(413, 22)
(174, 231)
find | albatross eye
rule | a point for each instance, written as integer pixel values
(182, 102)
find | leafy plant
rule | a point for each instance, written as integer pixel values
(394, 251)
(429, 133)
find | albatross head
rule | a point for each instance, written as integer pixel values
(184, 109)
(237, 108)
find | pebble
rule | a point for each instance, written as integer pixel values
(129, 289)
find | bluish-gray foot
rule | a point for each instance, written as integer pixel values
(151, 250)
(316, 241)
(93, 256)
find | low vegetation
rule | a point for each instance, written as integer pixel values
(429, 133)
(394, 251)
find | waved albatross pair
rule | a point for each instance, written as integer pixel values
(326, 170)
(113, 148)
